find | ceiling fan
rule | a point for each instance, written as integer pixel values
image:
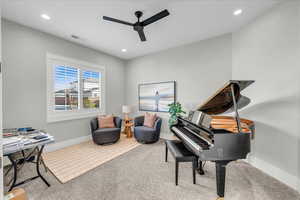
(139, 25)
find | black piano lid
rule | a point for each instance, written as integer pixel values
(222, 100)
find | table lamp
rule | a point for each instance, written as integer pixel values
(126, 110)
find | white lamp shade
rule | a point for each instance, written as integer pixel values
(126, 109)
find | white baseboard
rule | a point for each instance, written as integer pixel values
(277, 173)
(66, 143)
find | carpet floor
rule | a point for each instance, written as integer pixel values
(71, 162)
(142, 174)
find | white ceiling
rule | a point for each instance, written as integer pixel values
(189, 21)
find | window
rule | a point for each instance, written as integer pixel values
(91, 89)
(75, 89)
(66, 87)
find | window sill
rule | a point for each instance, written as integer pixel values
(66, 116)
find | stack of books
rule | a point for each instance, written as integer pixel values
(36, 137)
(16, 142)
(12, 143)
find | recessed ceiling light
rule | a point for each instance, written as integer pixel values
(124, 50)
(238, 12)
(45, 16)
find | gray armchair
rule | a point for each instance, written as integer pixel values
(106, 135)
(144, 134)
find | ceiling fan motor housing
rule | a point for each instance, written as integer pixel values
(138, 27)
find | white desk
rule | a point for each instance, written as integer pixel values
(36, 147)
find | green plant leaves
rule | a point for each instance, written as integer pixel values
(175, 110)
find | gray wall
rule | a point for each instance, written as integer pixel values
(298, 25)
(1, 171)
(267, 51)
(24, 79)
(199, 70)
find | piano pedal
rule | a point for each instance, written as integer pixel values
(200, 171)
(220, 198)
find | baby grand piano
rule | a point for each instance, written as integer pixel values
(211, 140)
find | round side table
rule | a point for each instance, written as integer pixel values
(128, 126)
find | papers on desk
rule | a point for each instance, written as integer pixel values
(12, 143)
(15, 143)
(31, 140)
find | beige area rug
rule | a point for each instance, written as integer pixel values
(71, 162)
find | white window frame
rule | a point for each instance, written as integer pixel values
(62, 115)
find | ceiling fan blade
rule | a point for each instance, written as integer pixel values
(142, 35)
(117, 20)
(156, 17)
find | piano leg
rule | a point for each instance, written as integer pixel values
(200, 168)
(195, 167)
(176, 172)
(220, 176)
(166, 156)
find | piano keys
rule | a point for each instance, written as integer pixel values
(220, 139)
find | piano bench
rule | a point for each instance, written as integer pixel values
(181, 154)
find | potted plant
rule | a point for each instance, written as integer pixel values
(175, 110)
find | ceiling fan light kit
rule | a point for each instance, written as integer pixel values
(139, 25)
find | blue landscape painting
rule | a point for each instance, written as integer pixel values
(156, 96)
